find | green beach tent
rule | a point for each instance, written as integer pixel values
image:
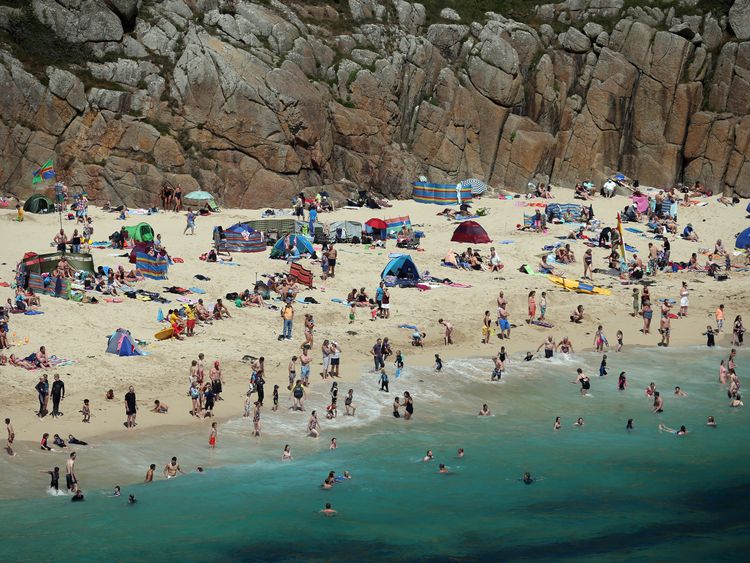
(142, 232)
(39, 203)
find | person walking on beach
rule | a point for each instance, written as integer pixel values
(683, 300)
(377, 354)
(332, 256)
(58, 394)
(190, 223)
(131, 408)
(448, 336)
(287, 314)
(11, 437)
(542, 306)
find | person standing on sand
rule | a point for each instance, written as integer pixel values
(42, 389)
(332, 256)
(636, 302)
(543, 306)
(335, 358)
(665, 324)
(377, 355)
(532, 306)
(448, 336)
(502, 320)
(131, 408)
(11, 437)
(684, 300)
(287, 314)
(58, 394)
(305, 360)
(588, 260)
(486, 328)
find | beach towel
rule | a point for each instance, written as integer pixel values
(301, 275)
(178, 260)
(410, 327)
(34, 313)
(630, 248)
(633, 230)
(197, 290)
(225, 263)
(543, 324)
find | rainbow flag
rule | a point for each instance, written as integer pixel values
(46, 172)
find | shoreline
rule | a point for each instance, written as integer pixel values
(263, 449)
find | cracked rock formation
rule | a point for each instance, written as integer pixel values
(257, 100)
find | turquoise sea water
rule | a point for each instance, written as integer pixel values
(602, 494)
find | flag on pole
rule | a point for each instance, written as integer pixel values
(46, 172)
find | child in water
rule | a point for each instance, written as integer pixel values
(619, 341)
(603, 366)
(438, 363)
(710, 337)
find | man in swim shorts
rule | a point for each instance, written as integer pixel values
(70, 474)
(172, 468)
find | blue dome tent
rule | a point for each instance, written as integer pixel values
(300, 246)
(743, 240)
(402, 267)
(123, 344)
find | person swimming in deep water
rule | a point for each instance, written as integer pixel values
(527, 478)
(131, 499)
(681, 432)
(629, 425)
(711, 421)
(428, 456)
(442, 468)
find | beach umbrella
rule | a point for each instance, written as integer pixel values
(477, 186)
(199, 195)
(743, 240)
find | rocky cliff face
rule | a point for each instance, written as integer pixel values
(255, 100)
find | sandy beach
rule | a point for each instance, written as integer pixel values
(79, 331)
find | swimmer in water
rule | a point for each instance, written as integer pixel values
(78, 496)
(328, 511)
(527, 478)
(333, 445)
(286, 455)
(736, 402)
(485, 411)
(557, 424)
(679, 392)
(442, 468)
(681, 432)
(629, 425)
(584, 381)
(579, 422)
(710, 421)
(460, 452)
(428, 456)
(116, 492)
(651, 389)
(329, 481)
(131, 499)
(658, 403)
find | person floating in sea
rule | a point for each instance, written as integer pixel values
(328, 511)
(681, 432)
(428, 456)
(527, 478)
(485, 410)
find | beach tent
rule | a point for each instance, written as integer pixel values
(440, 194)
(200, 198)
(566, 212)
(152, 267)
(142, 232)
(743, 240)
(345, 230)
(377, 228)
(472, 232)
(402, 267)
(45, 263)
(299, 243)
(123, 344)
(241, 238)
(39, 203)
(395, 224)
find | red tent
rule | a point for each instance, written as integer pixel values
(472, 232)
